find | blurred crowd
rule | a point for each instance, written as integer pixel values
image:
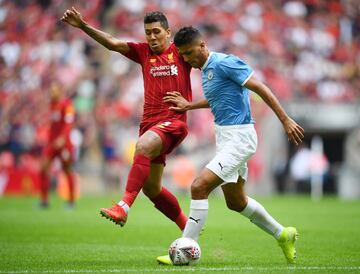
(304, 50)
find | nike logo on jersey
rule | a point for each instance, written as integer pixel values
(195, 220)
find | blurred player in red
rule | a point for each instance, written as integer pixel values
(62, 116)
(161, 129)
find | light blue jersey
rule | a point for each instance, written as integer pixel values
(223, 77)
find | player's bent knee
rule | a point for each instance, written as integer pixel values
(237, 205)
(199, 189)
(141, 148)
(151, 192)
(147, 150)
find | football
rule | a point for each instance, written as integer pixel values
(184, 251)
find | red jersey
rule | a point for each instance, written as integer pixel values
(62, 118)
(161, 73)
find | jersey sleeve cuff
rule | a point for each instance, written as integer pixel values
(247, 78)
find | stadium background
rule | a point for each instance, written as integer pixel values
(306, 51)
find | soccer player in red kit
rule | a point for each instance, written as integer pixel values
(161, 129)
(62, 116)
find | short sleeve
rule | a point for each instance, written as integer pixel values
(236, 69)
(137, 52)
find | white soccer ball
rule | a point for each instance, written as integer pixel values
(184, 251)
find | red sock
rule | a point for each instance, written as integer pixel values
(44, 187)
(71, 185)
(139, 172)
(167, 203)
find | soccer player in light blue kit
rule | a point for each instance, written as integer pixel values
(226, 81)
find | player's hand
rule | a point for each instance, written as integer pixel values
(73, 18)
(294, 132)
(180, 103)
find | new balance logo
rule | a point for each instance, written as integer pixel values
(163, 125)
(195, 220)
(221, 166)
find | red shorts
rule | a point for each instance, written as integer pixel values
(171, 132)
(66, 154)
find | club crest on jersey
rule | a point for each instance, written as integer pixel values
(210, 74)
(171, 57)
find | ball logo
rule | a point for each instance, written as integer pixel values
(190, 252)
(184, 251)
(172, 252)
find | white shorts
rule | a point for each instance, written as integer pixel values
(234, 146)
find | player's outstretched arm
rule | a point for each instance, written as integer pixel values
(74, 18)
(181, 104)
(293, 130)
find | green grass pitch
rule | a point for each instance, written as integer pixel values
(80, 241)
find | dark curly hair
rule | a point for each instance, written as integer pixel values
(156, 16)
(186, 35)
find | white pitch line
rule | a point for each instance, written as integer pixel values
(190, 269)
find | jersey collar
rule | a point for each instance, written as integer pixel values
(207, 61)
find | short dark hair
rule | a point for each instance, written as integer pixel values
(186, 35)
(156, 16)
